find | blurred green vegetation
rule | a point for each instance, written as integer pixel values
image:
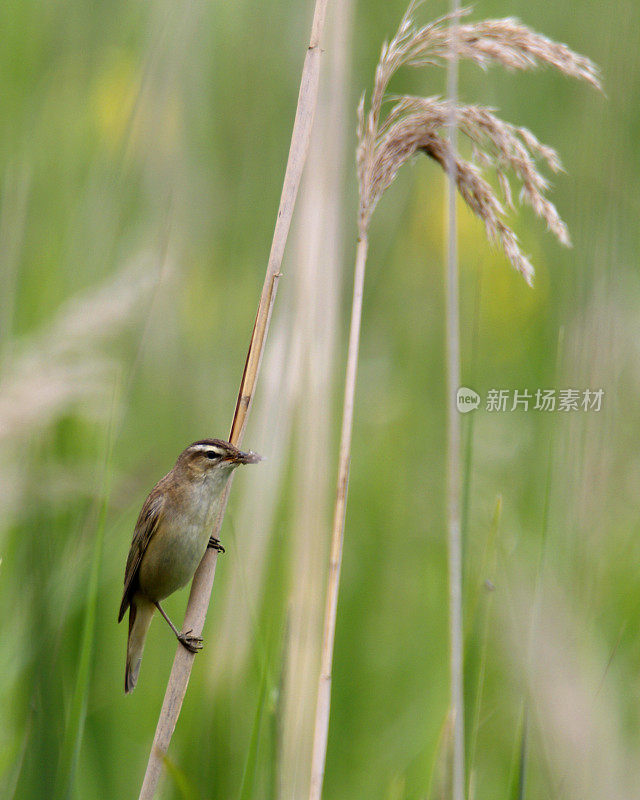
(159, 132)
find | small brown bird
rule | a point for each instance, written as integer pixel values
(170, 538)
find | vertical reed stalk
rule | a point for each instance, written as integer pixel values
(318, 255)
(337, 537)
(202, 585)
(454, 485)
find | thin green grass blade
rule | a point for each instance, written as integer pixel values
(469, 430)
(488, 563)
(519, 770)
(63, 789)
(16, 756)
(276, 711)
(440, 765)
(185, 787)
(247, 787)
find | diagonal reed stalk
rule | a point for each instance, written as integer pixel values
(202, 585)
(413, 126)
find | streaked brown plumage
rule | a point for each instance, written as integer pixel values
(170, 538)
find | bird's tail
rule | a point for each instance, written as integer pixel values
(140, 615)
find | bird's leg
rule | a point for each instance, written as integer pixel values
(215, 544)
(192, 643)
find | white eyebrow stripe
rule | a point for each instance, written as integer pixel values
(209, 448)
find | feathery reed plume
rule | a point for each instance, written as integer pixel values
(414, 124)
(384, 144)
(202, 584)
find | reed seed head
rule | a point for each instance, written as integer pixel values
(415, 124)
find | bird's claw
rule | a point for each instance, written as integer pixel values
(192, 643)
(215, 544)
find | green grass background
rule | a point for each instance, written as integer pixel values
(124, 126)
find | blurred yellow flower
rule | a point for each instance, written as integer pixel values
(114, 96)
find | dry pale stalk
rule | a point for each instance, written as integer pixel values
(203, 580)
(454, 482)
(331, 606)
(318, 299)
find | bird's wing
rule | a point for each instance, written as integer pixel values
(146, 526)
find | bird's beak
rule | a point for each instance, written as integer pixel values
(246, 458)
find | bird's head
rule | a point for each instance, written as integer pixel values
(213, 458)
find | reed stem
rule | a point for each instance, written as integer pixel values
(454, 466)
(323, 706)
(202, 584)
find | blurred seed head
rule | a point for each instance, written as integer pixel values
(570, 684)
(65, 368)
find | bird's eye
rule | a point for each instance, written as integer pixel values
(211, 454)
